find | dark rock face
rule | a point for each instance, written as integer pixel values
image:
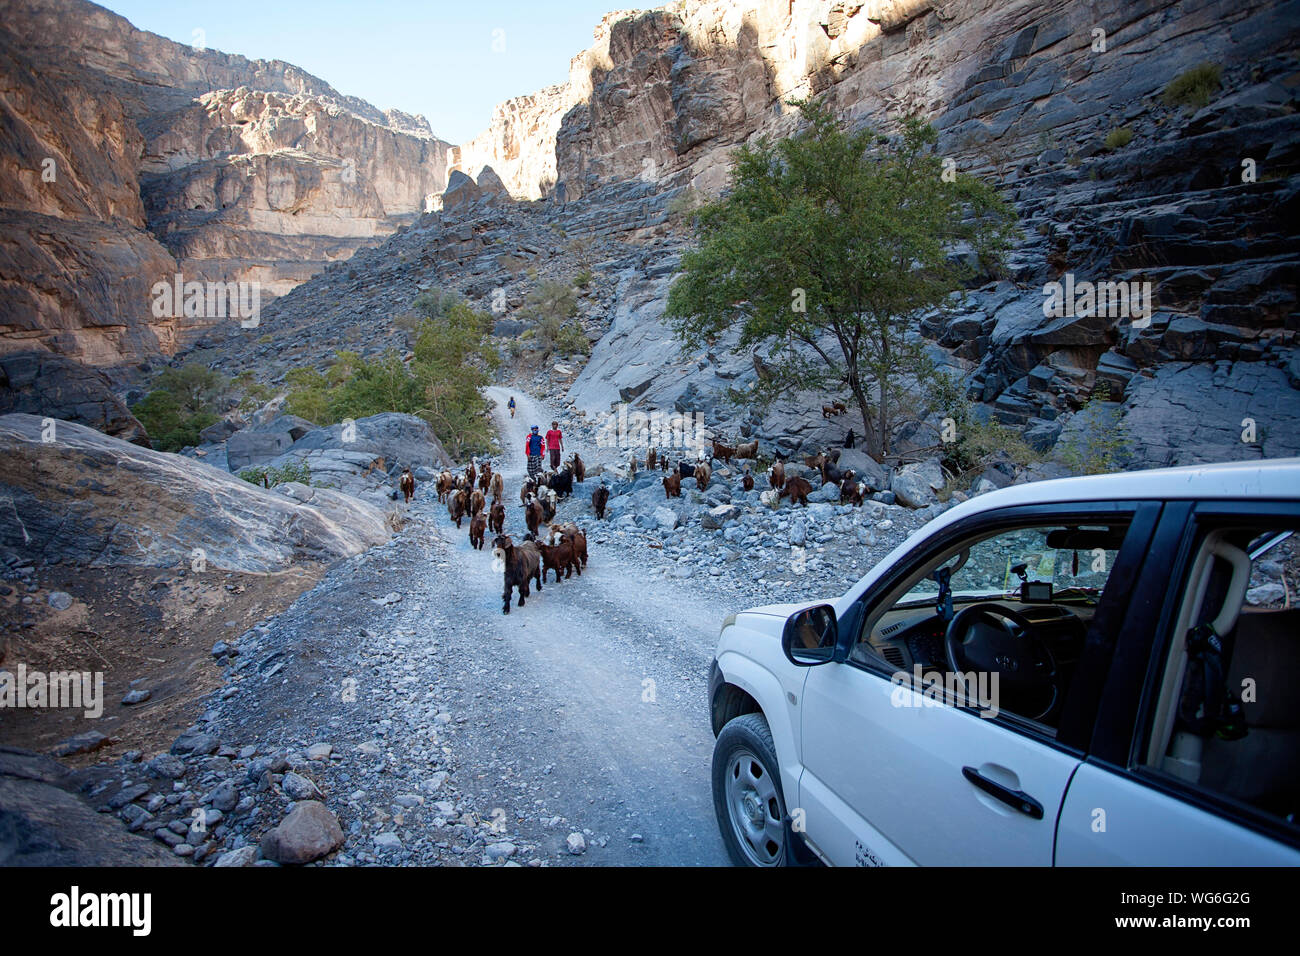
(44, 822)
(40, 383)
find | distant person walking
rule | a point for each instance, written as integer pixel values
(555, 445)
(533, 446)
(511, 405)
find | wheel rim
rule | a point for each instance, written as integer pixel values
(754, 809)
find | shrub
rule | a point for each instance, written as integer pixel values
(452, 361)
(1101, 443)
(582, 279)
(298, 471)
(1119, 138)
(1195, 87)
(183, 402)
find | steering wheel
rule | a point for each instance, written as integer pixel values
(990, 638)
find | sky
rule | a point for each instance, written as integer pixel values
(451, 60)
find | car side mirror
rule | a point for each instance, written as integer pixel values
(810, 636)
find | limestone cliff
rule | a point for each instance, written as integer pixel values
(129, 158)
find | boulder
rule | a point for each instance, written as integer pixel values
(865, 468)
(44, 821)
(259, 444)
(461, 191)
(915, 485)
(309, 832)
(52, 386)
(374, 453)
(89, 499)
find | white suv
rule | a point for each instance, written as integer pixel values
(1087, 671)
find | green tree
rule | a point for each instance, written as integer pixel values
(182, 403)
(452, 361)
(826, 248)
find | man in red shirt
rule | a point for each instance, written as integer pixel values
(555, 445)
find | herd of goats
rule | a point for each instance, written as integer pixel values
(478, 494)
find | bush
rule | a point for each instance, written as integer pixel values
(452, 361)
(582, 279)
(550, 300)
(436, 304)
(183, 402)
(1119, 138)
(1195, 87)
(298, 471)
(1101, 445)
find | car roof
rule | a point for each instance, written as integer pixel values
(1271, 478)
(1274, 478)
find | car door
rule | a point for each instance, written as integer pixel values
(1143, 798)
(891, 776)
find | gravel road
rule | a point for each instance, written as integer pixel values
(595, 691)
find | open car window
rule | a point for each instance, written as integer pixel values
(1074, 561)
(1003, 607)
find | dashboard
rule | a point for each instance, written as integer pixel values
(912, 637)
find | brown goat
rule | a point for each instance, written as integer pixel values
(559, 557)
(749, 450)
(470, 475)
(485, 478)
(457, 505)
(477, 503)
(498, 487)
(526, 489)
(578, 468)
(600, 498)
(673, 484)
(575, 534)
(703, 474)
(797, 489)
(407, 484)
(725, 452)
(850, 490)
(533, 514)
(776, 477)
(445, 484)
(497, 517)
(747, 482)
(522, 564)
(477, 528)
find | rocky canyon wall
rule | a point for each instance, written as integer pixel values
(129, 158)
(1060, 104)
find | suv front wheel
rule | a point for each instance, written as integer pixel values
(747, 794)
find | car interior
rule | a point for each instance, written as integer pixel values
(1016, 603)
(1227, 715)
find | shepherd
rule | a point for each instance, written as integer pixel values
(511, 405)
(533, 447)
(555, 445)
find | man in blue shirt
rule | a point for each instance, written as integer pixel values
(534, 445)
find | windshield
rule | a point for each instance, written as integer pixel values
(999, 566)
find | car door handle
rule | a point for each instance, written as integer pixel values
(1014, 798)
